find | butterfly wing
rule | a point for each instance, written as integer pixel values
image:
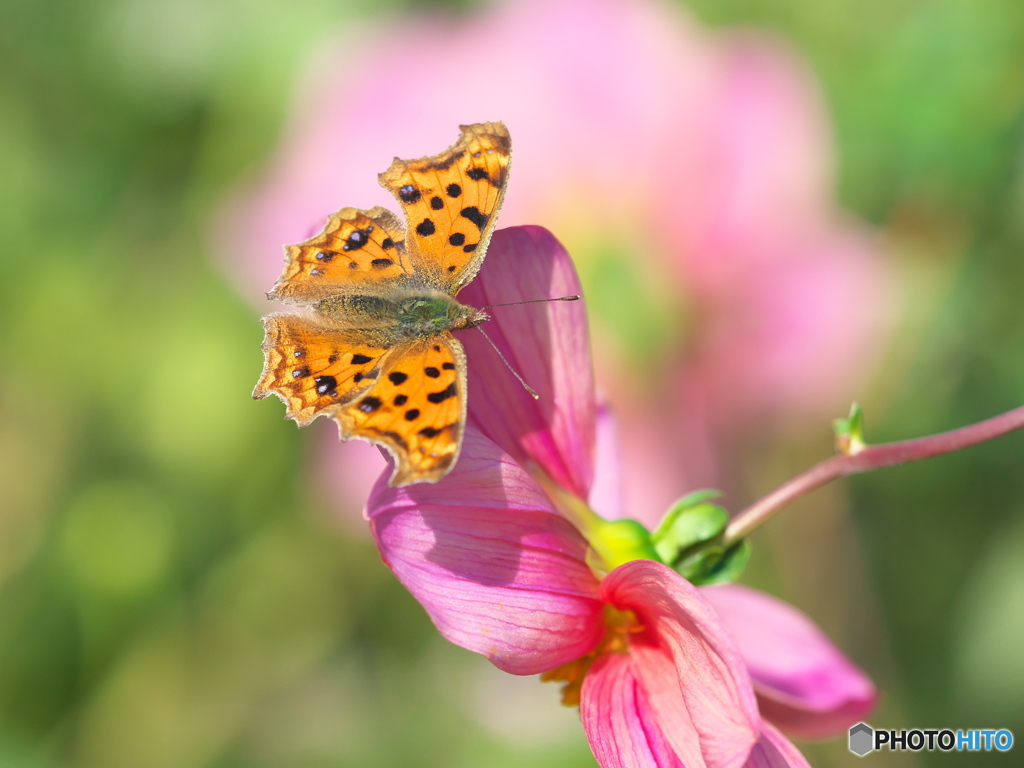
(416, 409)
(355, 248)
(314, 368)
(451, 201)
(360, 366)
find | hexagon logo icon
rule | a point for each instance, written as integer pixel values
(862, 739)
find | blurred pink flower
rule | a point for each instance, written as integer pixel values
(658, 676)
(689, 171)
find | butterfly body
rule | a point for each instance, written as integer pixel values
(374, 348)
(399, 314)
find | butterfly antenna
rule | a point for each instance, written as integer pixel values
(530, 301)
(508, 365)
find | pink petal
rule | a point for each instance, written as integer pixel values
(804, 684)
(547, 343)
(625, 723)
(499, 572)
(706, 708)
(775, 751)
(621, 725)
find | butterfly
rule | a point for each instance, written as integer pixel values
(374, 348)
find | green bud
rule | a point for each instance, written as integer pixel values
(849, 432)
(689, 522)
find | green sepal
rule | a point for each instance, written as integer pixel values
(849, 432)
(718, 566)
(621, 541)
(689, 522)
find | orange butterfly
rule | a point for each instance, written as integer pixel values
(376, 351)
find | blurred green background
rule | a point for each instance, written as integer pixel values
(170, 592)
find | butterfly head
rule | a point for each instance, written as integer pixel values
(469, 317)
(427, 313)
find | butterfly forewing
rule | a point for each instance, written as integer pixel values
(314, 368)
(451, 201)
(416, 409)
(355, 248)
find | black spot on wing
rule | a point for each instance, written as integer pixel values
(473, 214)
(439, 397)
(425, 228)
(369, 404)
(412, 414)
(401, 399)
(453, 190)
(436, 203)
(358, 359)
(357, 239)
(478, 174)
(457, 238)
(432, 372)
(409, 194)
(387, 244)
(449, 366)
(382, 263)
(431, 431)
(397, 377)
(326, 385)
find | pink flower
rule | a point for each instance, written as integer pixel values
(501, 571)
(690, 173)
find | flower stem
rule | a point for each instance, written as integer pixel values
(868, 458)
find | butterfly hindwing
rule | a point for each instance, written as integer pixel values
(355, 248)
(313, 368)
(416, 409)
(451, 201)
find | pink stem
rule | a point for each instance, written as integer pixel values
(868, 458)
